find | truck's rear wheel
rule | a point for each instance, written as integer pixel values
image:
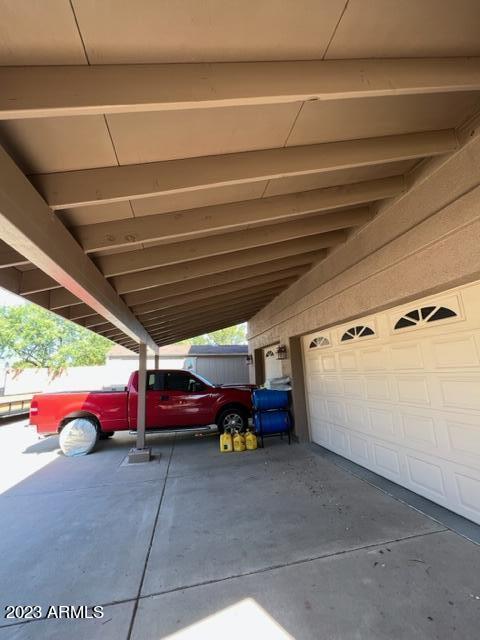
(78, 437)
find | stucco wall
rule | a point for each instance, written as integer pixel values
(426, 240)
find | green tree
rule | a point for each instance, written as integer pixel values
(231, 335)
(33, 337)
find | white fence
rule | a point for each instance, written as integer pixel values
(115, 373)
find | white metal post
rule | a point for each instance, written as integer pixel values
(142, 387)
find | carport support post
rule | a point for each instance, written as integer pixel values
(157, 359)
(141, 453)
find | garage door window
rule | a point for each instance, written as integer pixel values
(423, 315)
(318, 342)
(354, 333)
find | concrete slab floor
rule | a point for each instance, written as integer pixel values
(275, 543)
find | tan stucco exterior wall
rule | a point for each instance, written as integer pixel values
(424, 241)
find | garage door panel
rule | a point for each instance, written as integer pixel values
(356, 417)
(328, 363)
(348, 361)
(374, 359)
(320, 431)
(382, 422)
(338, 440)
(419, 430)
(354, 387)
(336, 412)
(426, 476)
(359, 449)
(318, 407)
(413, 390)
(406, 403)
(387, 460)
(406, 356)
(464, 439)
(468, 487)
(379, 388)
(315, 384)
(460, 352)
(461, 392)
(333, 386)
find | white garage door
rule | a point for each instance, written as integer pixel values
(272, 366)
(399, 393)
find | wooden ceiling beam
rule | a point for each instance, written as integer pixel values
(212, 305)
(187, 330)
(10, 258)
(113, 184)
(81, 311)
(213, 265)
(28, 226)
(36, 92)
(36, 280)
(235, 216)
(194, 284)
(225, 243)
(197, 297)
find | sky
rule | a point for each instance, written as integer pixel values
(8, 299)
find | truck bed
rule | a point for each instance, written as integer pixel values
(49, 410)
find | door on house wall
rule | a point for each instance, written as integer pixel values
(399, 393)
(272, 366)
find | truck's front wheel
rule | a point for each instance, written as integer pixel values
(234, 418)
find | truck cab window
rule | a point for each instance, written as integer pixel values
(155, 381)
(182, 381)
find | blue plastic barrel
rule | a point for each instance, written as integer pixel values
(271, 421)
(266, 399)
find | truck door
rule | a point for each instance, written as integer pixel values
(155, 390)
(184, 401)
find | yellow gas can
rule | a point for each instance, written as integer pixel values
(226, 442)
(250, 440)
(238, 441)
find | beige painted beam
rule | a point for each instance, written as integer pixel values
(183, 334)
(218, 245)
(95, 321)
(171, 327)
(112, 334)
(227, 276)
(197, 297)
(10, 258)
(207, 266)
(112, 184)
(42, 298)
(63, 298)
(35, 92)
(11, 279)
(231, 318)
(207, 315)
(81, 311)
(213, 305)
(235, 216)
(36, 280)
(28, 226)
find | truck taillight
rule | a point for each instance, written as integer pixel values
(34, 408)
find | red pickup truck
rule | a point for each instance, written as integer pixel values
(174, 398)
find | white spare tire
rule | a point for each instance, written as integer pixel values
(78, 437)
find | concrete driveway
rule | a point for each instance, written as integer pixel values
(277, 543)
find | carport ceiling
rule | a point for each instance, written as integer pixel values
(169, 168)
